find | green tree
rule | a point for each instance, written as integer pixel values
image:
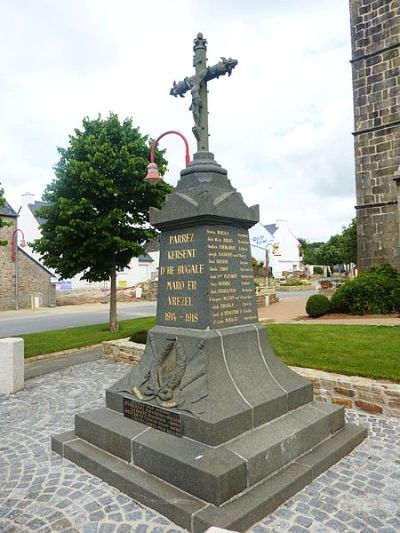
(310, 251)
(349, 242)
(96, 219)
(2, 223)
(340, 248)
(330, 252)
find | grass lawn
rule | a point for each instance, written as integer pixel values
(369, 351)
(66, 339)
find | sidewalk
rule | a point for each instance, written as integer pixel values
(291, 311)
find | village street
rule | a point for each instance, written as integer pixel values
(44, 319)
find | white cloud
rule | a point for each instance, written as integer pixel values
(280, 125)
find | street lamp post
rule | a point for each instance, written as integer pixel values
(267, 244)
(14, 257)
(152, 170)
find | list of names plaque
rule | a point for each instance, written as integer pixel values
(206, 278)
(232, 291)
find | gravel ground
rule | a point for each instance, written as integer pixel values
(41, 492)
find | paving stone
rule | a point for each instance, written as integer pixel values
(360, 493)
(304, 521)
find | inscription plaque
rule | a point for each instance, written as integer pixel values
(153, 416)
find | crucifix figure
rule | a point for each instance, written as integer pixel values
(197, 85)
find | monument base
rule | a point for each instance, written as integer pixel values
(241, 436)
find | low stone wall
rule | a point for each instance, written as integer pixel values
(368, 395)
(123, 350)
(295, 288)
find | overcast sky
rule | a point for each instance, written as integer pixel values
(281, 124)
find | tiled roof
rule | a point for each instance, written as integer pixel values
(34, 207)
(153, 245)
(271, 228)
(7, 211)
(145, 259)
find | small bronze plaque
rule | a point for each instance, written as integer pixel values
(153, 416)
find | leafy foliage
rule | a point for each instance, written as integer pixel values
(374, 291)
(339, 249)
(310, 251)
(96, 219)
(318, 305)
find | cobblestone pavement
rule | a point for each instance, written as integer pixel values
(41, 492)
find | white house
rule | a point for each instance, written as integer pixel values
(277, 245)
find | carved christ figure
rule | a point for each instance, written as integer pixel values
(197, 84)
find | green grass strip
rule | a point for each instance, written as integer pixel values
(368, 351)
(70, 338)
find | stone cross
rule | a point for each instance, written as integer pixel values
(197, 85)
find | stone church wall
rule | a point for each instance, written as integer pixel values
(375, 32)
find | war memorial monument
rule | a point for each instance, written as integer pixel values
(210, 429)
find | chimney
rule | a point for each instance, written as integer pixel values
(27, 198)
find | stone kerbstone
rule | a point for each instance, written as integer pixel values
(12, 365)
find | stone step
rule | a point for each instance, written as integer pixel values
(261, 499)
(145, 488)
(277, 443)
(214, 474)
(195, 514)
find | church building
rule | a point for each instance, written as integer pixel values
(375, 36)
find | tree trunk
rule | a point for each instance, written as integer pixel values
(113, 300)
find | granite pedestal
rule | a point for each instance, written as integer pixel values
(210, 429)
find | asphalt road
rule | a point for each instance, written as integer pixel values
(26, 321)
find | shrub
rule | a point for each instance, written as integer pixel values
(396, 299)
(318, 270)
(140, 337)
(374, 291)
(318, 305)
(339, 301)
